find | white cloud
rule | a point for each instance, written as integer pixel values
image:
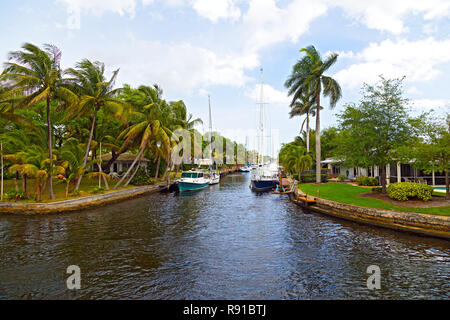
(178, 68)
(440, 105)
(218, 9)
(270, 95)
(267, 24)
(417, 60)
(388, 15)
(97, 7)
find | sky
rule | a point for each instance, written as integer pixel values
(196, 48)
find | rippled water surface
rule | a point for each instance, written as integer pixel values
(224, 242)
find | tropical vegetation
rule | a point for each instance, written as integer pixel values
(55, 124)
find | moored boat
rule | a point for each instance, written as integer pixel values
(192, 180)
(213, 176)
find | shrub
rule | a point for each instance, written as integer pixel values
(367, 181)
(341, 177)
(15, 195)
(98, 190)
(141, 178)
(406, 190)
(312, 178)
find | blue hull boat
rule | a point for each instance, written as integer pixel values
(263, 185)
(187, 186)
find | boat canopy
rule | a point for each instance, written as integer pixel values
(189, 175)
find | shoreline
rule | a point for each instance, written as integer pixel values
(87, 202)
(423, 224)
(82, 203)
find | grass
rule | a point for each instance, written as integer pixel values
(86, 186)
(346, 193)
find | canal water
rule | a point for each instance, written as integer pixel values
(224, 242)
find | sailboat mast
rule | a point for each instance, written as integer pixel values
(261, 121)
(210, 132)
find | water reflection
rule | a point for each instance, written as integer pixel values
(224, 242)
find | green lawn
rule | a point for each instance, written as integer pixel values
(345, 193)
(86, 186)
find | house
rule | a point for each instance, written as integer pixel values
(123, 162)
(395, 172)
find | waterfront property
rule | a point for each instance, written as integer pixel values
(123, 162)
(395, 172)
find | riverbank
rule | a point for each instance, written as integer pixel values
(424, 224)
(81, 203)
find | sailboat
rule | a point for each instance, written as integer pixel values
(264, 178)
(213, 175)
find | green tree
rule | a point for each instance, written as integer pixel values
(432, 153)
(36, 74)
(308, 76)
(87, 79)
(373, 131)
(304, 106)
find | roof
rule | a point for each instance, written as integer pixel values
(126, 156)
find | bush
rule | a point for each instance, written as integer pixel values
(15, 195)
(406, 190)
(377, 189)
(306, 178)
(341, 177)
(141, 178)
(367, 181)
(98, 190)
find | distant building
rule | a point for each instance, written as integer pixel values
(395, 172)
(123, 162)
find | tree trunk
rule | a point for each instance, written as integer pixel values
(24, 186)
(318, 166)
(50, 151)
(132, 176)
(447, 186)
(383, 179)
(114, 156)
(307, 132)
(157, 167)
(41, 189)
(132, 165)
(104, 178)
(86, 155)
(15, 181)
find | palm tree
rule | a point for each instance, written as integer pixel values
(150, 127)
(304, 106)
(88, 80)
(36, 74)
(297, 159)
(308, 76)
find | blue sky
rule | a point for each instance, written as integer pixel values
(193, 48)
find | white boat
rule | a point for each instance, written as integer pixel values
(245, 169)
(192, 180)
(213, 176)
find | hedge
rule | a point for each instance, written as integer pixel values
(406, 190)
(310, 177)
(367, 181)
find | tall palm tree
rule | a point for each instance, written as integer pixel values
(88, 80)
(36, 75)
(151, 126)
(304, 106)
(308, 76)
